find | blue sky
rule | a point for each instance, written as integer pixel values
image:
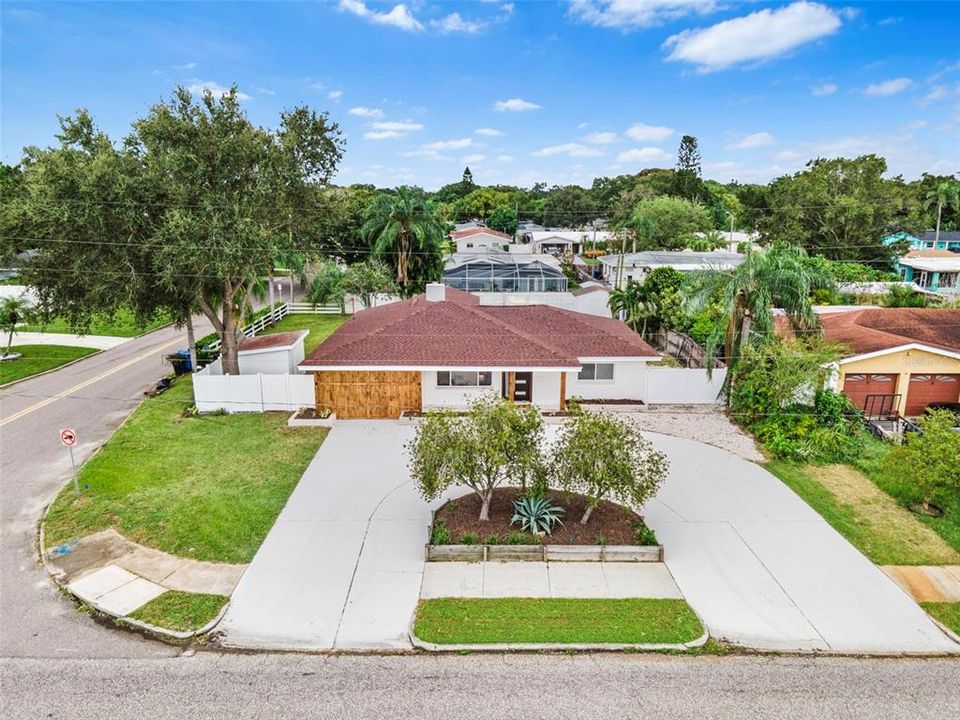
(522, 92)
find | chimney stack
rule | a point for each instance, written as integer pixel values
(436, 292)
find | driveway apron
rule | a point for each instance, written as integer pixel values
(765, 571)
(343, 564)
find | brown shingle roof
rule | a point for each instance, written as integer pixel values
(460, 333)
(870, 330)
(276, 340)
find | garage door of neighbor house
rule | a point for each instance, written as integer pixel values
(858, 386)
(931, 388)
(361, 394)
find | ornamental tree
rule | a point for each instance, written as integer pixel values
(606, 457)
(496, 442)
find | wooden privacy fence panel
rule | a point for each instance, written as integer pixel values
(368, 394)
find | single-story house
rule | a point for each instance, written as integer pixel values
(900, 359)
(480, 238)
(636, 266)
(562, 241)
(933, 270)
(443, 349)
(497, 271)
(928, 240)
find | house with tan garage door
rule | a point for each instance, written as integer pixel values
(900, 359)
(444, 349)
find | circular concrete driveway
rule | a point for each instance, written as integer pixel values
(766, 571)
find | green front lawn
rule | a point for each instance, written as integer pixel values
(947, 613)
(38, 359)
(122, 324)
(180, 611)
(320, 327)
(872, 520)
(207, 487)
(455, 621)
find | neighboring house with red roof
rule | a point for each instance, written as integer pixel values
(443, 349)
(901, 359)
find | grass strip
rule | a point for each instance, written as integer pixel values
(485, 621)
(320, 327)
(947, 613)
(38, 359)
(180, 611)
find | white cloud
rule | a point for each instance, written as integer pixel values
(916, 124)
(888, 87)
(24, 14)
(335, 94)
(937, 92)
(473, 158)
(569, 149)
(823, 90)
(455, 23)
(488, 132)
(383, 134)
(399, 17)
(365, 112)
(185, 66)
(752, 141)
(199, 87)
(459, 144)
(397, 125)
(514, 105)
(601, 138)
(644, 154)
(648, 133)
(505, 158)
(583, 125)
(890, 21)
(629, 15)
(263, 90)
(759, 36)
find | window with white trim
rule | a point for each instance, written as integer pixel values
(464, 378)
(596, 371)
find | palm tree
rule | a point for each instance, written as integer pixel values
(779, 277)
(13, 310)
(945, 195)
(629, 304)
(402, 224)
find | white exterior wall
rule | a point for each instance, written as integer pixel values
(629, 383)
(685, 386)
(478, 242)
(592, 303)
(271, 361)
(435, 397)
(546, 390)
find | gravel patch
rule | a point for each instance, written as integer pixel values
(702, 423)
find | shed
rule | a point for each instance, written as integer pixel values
(276, 354)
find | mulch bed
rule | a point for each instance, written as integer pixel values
(610, 524)
(310, 414)
(612, 401)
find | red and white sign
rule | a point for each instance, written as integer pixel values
(68, 437)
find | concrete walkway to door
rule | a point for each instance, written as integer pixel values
(343, 564)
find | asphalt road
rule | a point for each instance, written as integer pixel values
(208, 685)
(93, 397)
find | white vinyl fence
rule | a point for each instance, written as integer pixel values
(213, 391)
(683, 386)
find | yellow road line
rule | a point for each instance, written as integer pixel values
(87, 383)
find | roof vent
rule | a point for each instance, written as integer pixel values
(436, 292)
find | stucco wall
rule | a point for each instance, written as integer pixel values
(629, 383)
(902, 364)
(435, 397)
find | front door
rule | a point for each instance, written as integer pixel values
(523, 387)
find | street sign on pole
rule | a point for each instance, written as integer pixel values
(69, 438)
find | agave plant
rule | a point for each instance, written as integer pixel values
(536, 514)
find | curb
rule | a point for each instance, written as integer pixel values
(95, 352)
(946, 630)
(553, 647)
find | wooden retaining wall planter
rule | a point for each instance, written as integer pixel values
(316, 422)
(544, 553)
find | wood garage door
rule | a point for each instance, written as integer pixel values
(858, 386)
(355, 394)
(932, 388)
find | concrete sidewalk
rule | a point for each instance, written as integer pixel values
(553, 580)
(99, 342)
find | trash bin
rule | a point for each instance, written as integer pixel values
(181, 362)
